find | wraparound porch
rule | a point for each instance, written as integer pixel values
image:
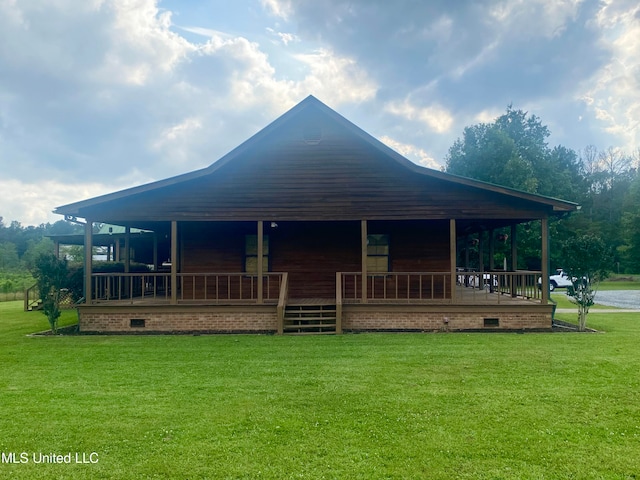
(398, 301)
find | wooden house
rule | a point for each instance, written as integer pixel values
(313, 225)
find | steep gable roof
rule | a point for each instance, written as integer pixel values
(274, 143)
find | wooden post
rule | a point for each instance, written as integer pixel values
(544, 224)
(259, 267)
(481, 251)
(88, 261)
(338, 303)
(363, 244)
(466, 253)
(174, 262)
(127, 249)
(514, 260)
(514, 248)
(155, 252)
(453, 254)
(492, 249)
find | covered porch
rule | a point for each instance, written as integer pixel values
(299, 298)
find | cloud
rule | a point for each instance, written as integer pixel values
(412, 152)
(102, 91)
(436, 118)
(32, 203)
(284, 38)
(279, 8)
(611, 94)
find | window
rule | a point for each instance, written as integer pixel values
(251, 253)
(378, 253)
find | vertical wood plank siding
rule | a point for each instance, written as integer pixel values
(312, 252)
(340, 178)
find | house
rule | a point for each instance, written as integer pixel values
(313, 225)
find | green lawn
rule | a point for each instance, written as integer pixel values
(533, 406)
(621, 282)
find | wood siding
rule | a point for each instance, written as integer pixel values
(312, 252)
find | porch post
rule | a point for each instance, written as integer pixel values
(544, 224)
(56, 246)
(514, 260)
(155, 252)
(466, 252)
(452, 257)
(363, 242)
(116, 247)
(259, 268)
(492, 249)
(88, 261)
(127, 249)
(174, 262)
(481, 251)
(514, 248)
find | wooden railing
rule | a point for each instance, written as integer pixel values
(397, 286)
(32, 300)
(282, 301)
(192, 287)
(129, 286)
(228, 287)
(518, 284)
(418, 287)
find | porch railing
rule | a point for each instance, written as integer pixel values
(192, 287)
(407, 286)
(524, 284)
(490, 287)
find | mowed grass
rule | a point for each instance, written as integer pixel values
(366, 406)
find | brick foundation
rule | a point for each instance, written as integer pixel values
(402, 320)
(211, 320)
(263, 319)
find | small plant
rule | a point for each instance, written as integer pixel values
(587, 261)
(51, 276)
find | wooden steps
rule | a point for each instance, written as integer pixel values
(309, 319)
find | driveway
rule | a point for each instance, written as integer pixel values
(629, 299)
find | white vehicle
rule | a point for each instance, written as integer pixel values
(559, 280)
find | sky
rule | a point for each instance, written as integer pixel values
(101, 95)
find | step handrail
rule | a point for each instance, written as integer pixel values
(32, 290)
(338, 303)
(282, 301)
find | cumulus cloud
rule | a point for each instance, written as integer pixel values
(412, 152)
(103, 91)
(32, 203)
(435, 117)
(612, 93)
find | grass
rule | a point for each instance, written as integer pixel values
(364, 406)
(562, 300)
(621, 282)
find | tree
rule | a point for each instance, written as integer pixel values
(8, 257)
(587, 261)
(51, 275)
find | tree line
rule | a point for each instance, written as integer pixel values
(21, 246)
(513, 151)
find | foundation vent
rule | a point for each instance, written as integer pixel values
(137, 323)
(491, 322)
